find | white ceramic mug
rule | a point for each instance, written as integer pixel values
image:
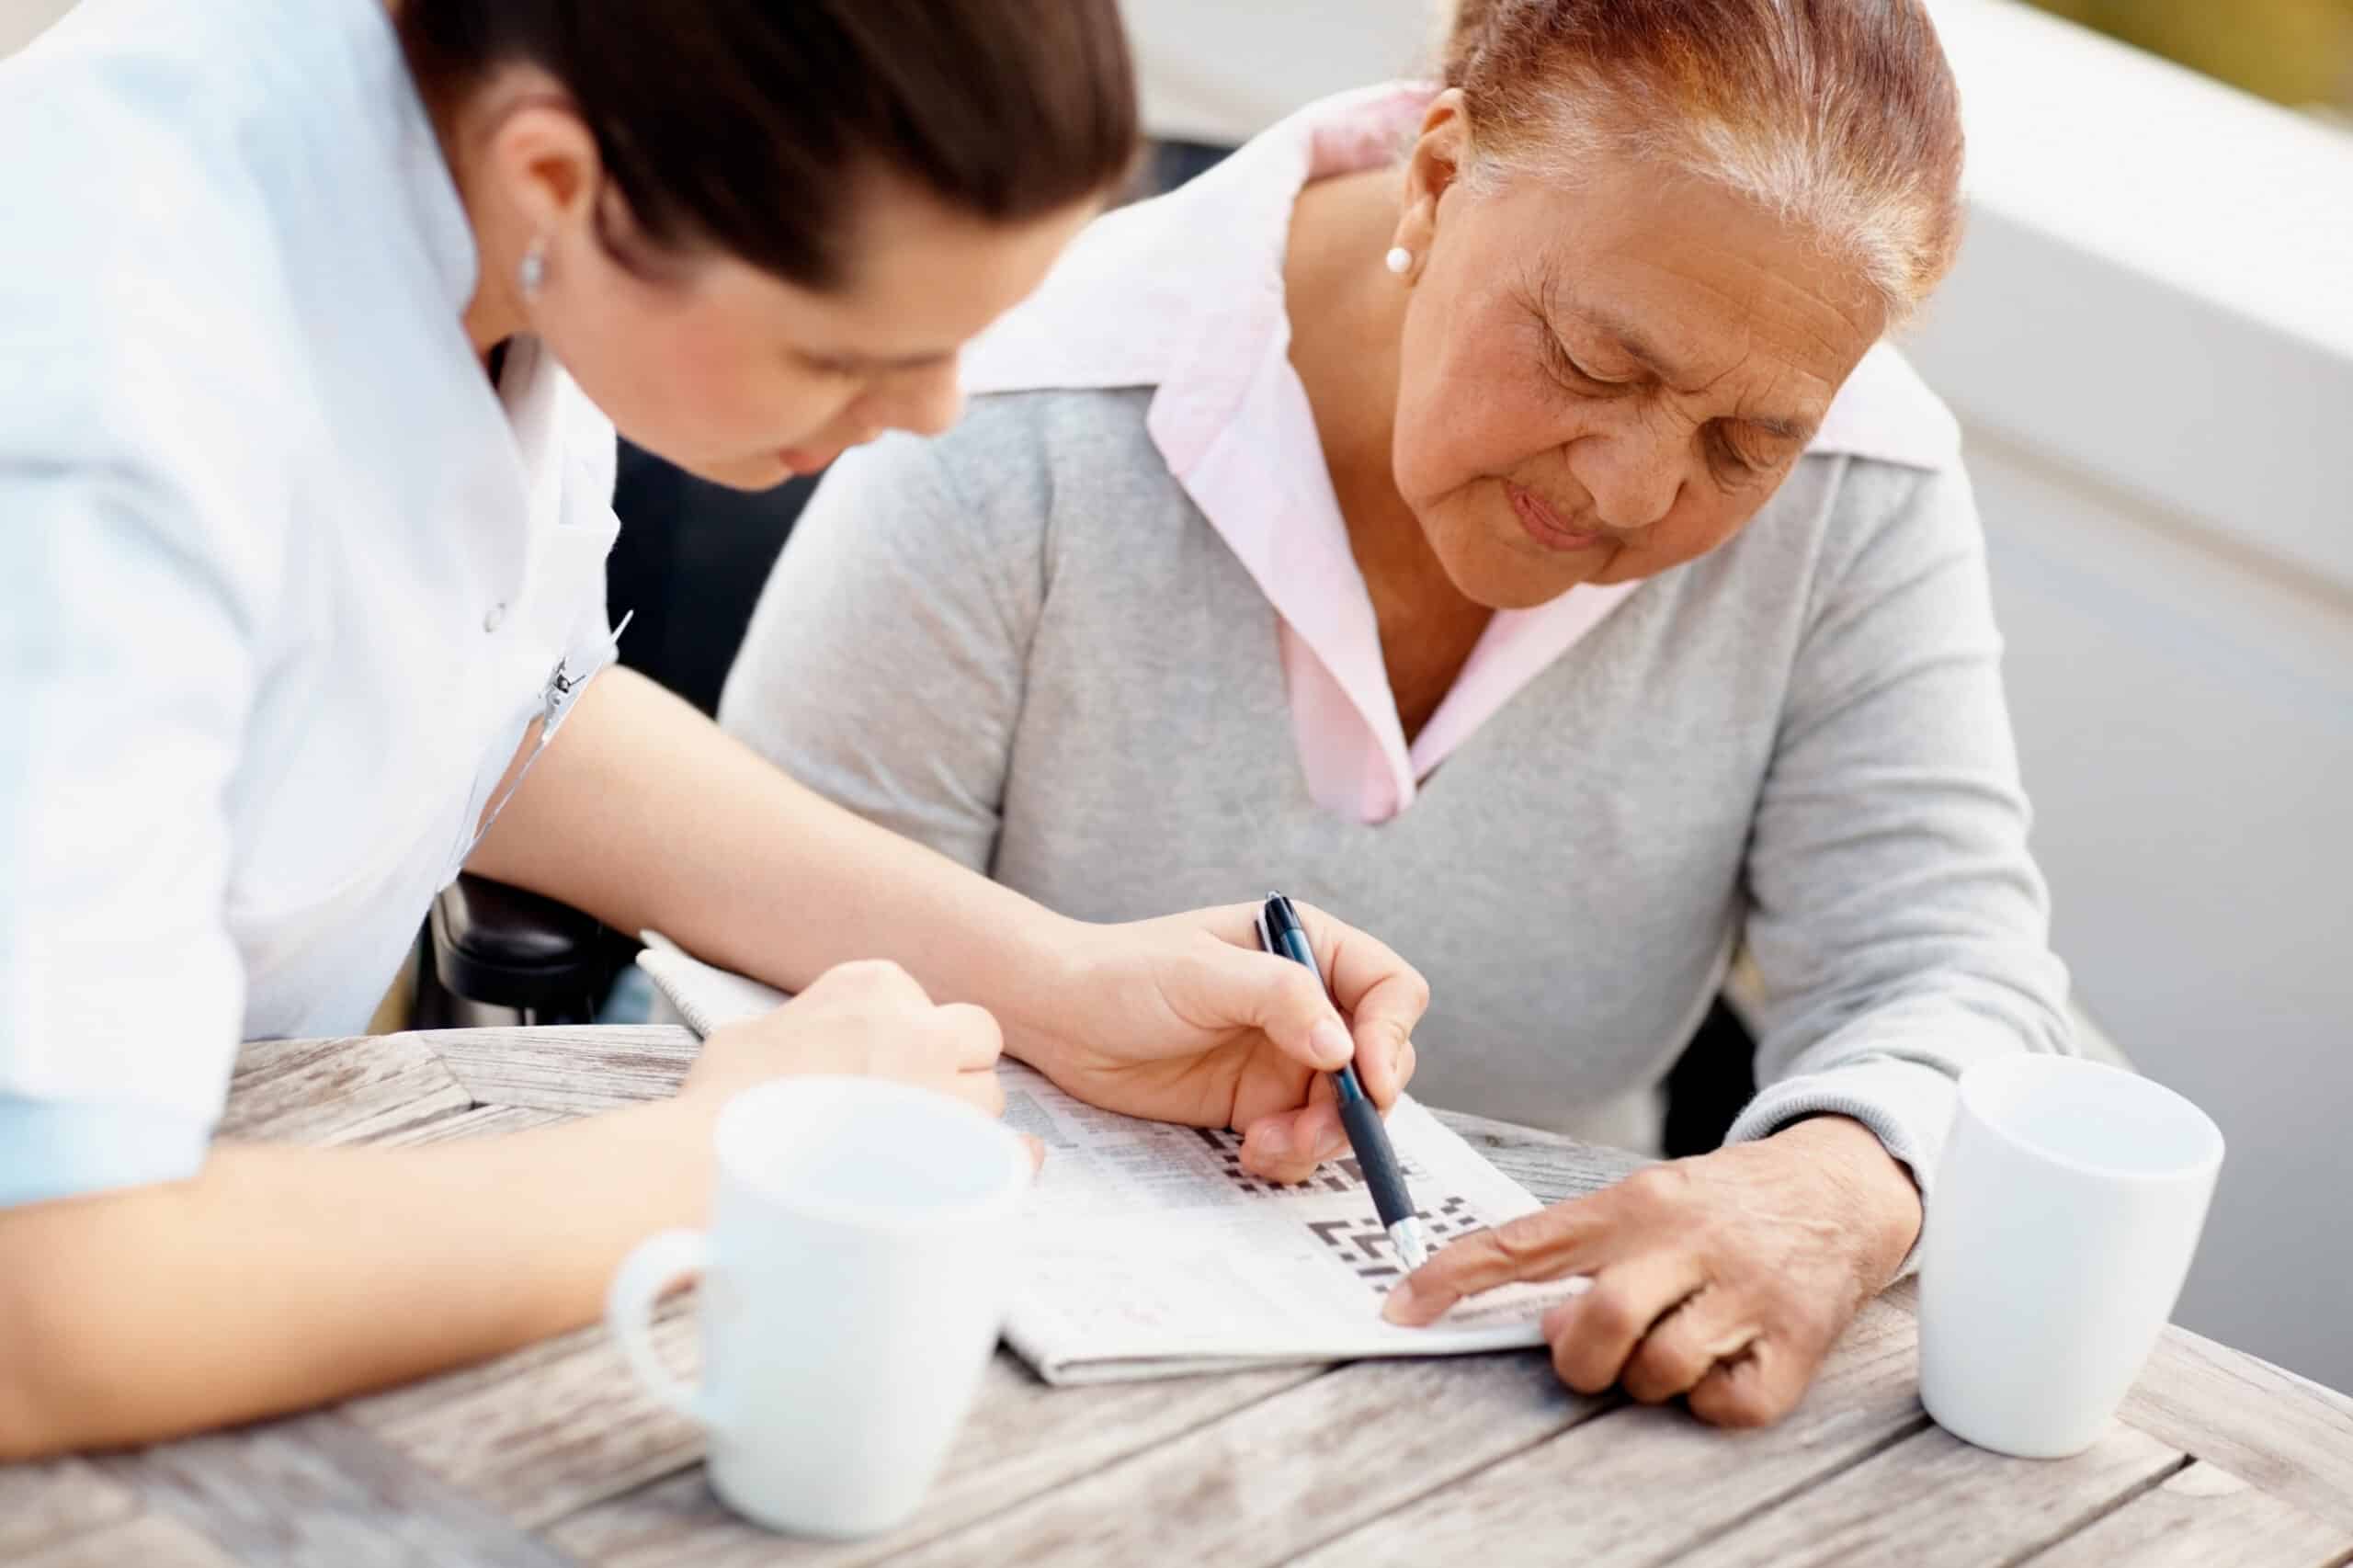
(854, 1279)
(2059, 1230)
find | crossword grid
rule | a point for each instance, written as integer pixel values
(1334, 1176)
(1364, 1246)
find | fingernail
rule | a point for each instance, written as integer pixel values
(1330, 1043)
(1274, 1140)
(1400, 1306)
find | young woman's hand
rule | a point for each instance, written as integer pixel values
(869, 1019)
(1184, 1019)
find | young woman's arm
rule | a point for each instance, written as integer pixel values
(643, 812)
(278, 1278)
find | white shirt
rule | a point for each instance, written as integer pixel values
(283, 580)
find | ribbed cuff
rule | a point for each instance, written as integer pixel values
(1907, 1107)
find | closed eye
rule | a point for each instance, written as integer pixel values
(1564, 367)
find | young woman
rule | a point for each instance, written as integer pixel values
(314, 328)
(1492, 505)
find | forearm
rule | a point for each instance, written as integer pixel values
(282, 1277)
(643, 812)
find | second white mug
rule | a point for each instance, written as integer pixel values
(2059, 1232)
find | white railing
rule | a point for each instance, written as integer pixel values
(2149, 339)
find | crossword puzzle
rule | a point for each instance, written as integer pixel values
(1364, 1246)
(1335, 1175)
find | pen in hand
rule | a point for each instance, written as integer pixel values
(1280, 933)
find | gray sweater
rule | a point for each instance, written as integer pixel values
(1022, 644)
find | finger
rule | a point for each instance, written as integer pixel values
(1288, 1146)
(1756, 1388)
(1384, 995)
(1037, 1147)
(973, 1033)
(1282, 1000)
(1687, 1344)
(880, 976)
(1542, 1245)
(1280, 1138)
(1598, 1331)
(981, 1087)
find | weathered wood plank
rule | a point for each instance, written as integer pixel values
(581, 1070)
(1640, 1484)
(149, 1541)
(2206, 1517)
(2287, 1435)
(482, 1122)
(538, 1441)
(57, 1498)
(1272, 1481)
(1551, 1166)
(1934, 1502)
(317, 1492)
(337, 1091)
(1023, 1439)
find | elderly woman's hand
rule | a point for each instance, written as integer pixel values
(1725, 1277)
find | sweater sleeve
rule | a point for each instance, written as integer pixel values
(884, 665)
(1897, 920)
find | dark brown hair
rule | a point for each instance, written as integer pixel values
(1840, 114)
(747, 125)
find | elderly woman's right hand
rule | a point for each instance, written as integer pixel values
(1722, 1280)
(869, 1019)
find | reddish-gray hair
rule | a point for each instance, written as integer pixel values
(1840, 116)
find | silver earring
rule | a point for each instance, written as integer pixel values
(1399, 260)
(532, 270)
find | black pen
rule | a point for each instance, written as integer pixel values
(1280, 933)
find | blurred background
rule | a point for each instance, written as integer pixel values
(2149, 340)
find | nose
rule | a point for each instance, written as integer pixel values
(924, 402)
(1633, 474)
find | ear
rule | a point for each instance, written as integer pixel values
(543, 161)
(1435, 166)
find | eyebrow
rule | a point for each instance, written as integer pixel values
(1778, 426)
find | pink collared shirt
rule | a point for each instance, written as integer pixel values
(1185, 294)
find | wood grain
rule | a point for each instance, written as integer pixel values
(541, 1440)
(57, 1498)
(482, 1122)
(1280, 1477)
(2289, 1436)
(574, 1070)
(1022, 1440)
(2206, 1517)
(1551, 1166)
(1934, 1502)
(150, 1541)
(1640, 1484)
(337, 1091)
(317, 1492)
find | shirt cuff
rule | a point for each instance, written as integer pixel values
(1907, 1106)
(67, 1148)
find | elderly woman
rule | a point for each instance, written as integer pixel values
(1531, 548)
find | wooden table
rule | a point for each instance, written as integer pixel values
(550, 1456)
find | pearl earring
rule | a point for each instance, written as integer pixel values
(1399, 260)
(532, 270)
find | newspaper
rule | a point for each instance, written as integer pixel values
(1150, 1251)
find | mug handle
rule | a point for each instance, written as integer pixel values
(653, 1267)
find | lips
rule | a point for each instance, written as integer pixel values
(801, 461)
(1544, 525)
